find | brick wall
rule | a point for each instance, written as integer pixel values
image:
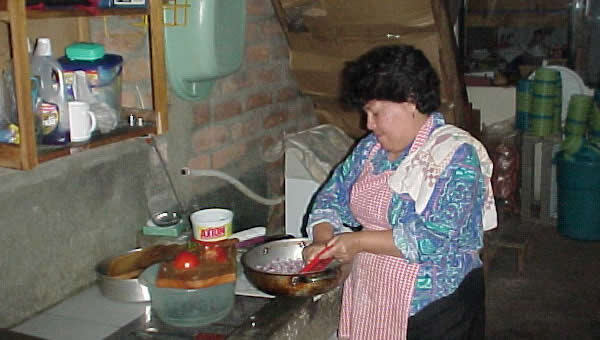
(247, 112)
(255, 105)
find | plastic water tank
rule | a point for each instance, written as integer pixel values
(205, 45)
(578, 197)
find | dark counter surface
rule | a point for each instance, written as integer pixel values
(252, 318)
(7, 334)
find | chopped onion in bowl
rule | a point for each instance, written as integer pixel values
(282, 266)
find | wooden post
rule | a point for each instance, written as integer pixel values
(157, 59)
(18, 34)
(455, 86)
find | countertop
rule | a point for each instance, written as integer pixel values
(90, 315)
(252, 318)
(8, 334)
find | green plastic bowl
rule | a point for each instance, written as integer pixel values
(188, 307)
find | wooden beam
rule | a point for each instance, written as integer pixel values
(157, 59)
(448, 63)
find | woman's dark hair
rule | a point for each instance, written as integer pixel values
(397, 73)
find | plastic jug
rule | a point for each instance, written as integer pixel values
(53, 109)
(41, 55)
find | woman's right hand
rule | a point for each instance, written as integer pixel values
(322, 233)
(308, 253)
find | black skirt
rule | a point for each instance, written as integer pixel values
(460, 315)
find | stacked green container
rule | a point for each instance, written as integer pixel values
(557, 114)
(580, 106)
(524, 103)
(541, 118)
(594, 121)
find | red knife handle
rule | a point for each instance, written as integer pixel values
(317, 262)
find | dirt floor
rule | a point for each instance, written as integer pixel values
(557, 296)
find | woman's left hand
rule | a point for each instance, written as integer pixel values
(344, 247)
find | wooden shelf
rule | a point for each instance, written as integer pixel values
(73, 13)
(28, 154)
(9, 153)
(47, 153)
(10, 156)
(559, 19)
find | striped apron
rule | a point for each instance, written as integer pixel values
(377, 294)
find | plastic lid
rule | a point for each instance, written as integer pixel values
(84, 51)
(106, 62)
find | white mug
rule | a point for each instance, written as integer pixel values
(82, 121)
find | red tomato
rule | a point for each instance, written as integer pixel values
(216, 253)
(186, 260)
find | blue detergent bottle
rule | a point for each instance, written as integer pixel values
(53, 108)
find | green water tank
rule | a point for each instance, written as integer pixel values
(578, 197)
(203, 42)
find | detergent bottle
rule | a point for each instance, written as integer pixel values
(42, 53)
(52, 110)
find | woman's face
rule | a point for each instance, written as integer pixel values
(394, 124)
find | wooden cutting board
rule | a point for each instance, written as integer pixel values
(212, 269)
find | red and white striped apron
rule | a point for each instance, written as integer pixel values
(377, 294)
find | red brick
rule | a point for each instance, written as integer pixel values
(257, 53)
(245, 129)
(267, 76)
(136, 69)
(294, 109)
(259, 7)
(274, 119)
(228, 155)
(228, 109)
(258, 100)
(306, 124)
(201, 113)
(275, 177)
(209, 137)
(280, 52)
(146, 93)
(307, 105)
(129, 98)
(270, 139)
(291, 129)
(286, 94)
(253, 32)
(271, 27)
(234, 83)
(199, 162)
(130, 42)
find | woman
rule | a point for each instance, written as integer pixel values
(420, 189)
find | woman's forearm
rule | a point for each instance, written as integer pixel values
(322, 232)
(378, 242)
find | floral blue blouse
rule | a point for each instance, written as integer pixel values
(444, 239)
